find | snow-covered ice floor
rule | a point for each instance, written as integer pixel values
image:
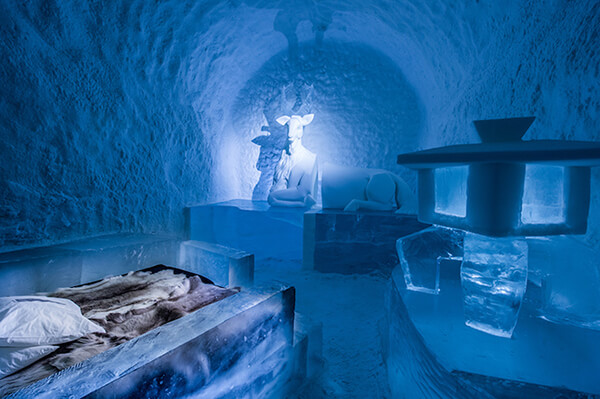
(350, 308)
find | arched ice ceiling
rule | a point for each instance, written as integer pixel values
(115, 115)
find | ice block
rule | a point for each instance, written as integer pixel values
(420, 254)
(225, 266)
(494, 279)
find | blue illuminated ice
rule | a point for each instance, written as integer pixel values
(451, 190)
(569, 274)
(494, 278)
(420, 255)
(544, 195)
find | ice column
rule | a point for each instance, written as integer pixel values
(420, 254)
(494, 278)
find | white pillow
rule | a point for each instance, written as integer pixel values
(14, 359)
(39, 320)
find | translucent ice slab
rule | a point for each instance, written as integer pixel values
(451, 190)
(120, 253)
(568, 272)
(225, 266)
(494, 279)
(544, 195)
(38, 270)
(420, 254)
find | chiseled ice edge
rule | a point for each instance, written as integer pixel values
(104, 368)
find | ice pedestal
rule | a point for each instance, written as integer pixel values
(568, 272)
(494, 279)
(336, 241)
(251, 226)
(422, 252)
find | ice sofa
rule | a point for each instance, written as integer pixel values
(242, 346)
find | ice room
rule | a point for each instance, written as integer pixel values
(300, 199)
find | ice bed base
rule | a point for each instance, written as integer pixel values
(240, 346)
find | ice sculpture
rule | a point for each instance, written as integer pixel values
(420, 255)
(354, 189)
(494, 278)
(295, 175)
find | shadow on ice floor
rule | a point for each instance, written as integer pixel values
(350, 308)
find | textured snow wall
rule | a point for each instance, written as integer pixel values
(115, 115)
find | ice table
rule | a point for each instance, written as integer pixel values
(539, 353)
(251, 226)
(336, 241)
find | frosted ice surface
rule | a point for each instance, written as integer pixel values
(494, 279)
(451, 190)
(543, 195)
(420, 254)
(569, 275)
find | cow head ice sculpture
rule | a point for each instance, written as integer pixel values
(296, 173)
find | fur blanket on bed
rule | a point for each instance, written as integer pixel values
(126, 306)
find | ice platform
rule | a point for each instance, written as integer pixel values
(251, 226)
(336, 241)
(542, 359)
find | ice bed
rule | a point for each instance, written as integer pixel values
(240, 345)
